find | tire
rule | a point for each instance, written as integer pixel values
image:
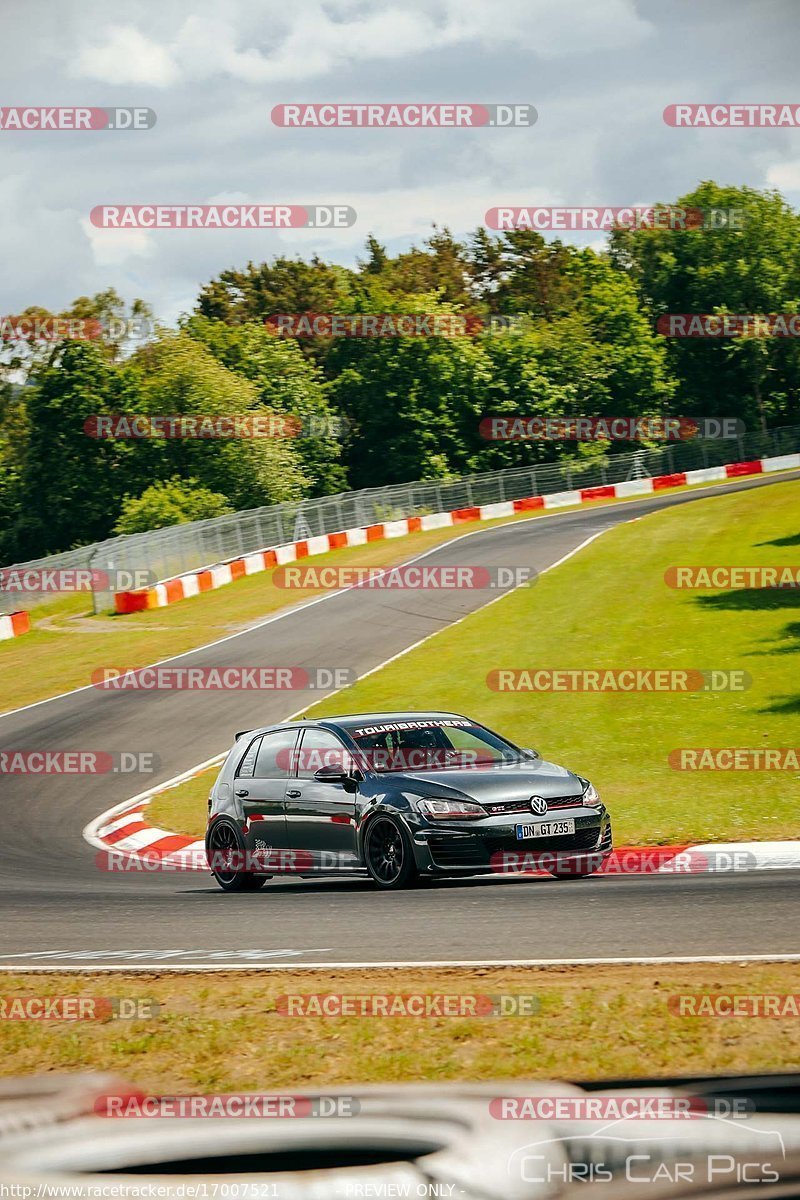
(388, 855)
(224, 838)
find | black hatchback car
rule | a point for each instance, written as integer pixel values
(396, 796)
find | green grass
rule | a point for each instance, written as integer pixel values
(609, 607)
(183, 809)
(599, 609)
(223, 1033)
(74, 642)
(67, 642)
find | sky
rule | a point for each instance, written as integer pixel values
(599, 73)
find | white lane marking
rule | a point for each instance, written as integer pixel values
(122, 822)
(770, 856)
(134, 842)
(159, 954)
(91, 834)
(554, 516)
(370, 965)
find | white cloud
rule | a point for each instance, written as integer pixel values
(324, 37)
(113, 247)
(126, 56)
(785, 176)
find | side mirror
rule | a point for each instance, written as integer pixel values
(527, 750)
(334, 774)
(331, 775)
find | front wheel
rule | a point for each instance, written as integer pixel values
(226, 855)
(388, 854)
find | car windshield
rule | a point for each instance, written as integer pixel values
(427, 745)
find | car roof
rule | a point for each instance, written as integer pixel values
(350, 721)
(354, 720)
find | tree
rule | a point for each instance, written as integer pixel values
(753, 268)
(414, 402)
(284, 381)
(177, 375)
(69, 484)
(439, 268)
(520, 272)
(286, 285)
(170, 502)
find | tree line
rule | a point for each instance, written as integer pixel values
(581, 341)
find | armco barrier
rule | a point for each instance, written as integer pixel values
(176, 550)
(14, 624)
(181, 587)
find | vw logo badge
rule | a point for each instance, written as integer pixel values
(538, 805)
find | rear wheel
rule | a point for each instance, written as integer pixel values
(226, 855)
(388, 854)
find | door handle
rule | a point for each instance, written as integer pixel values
(293, 794)
(242, 792)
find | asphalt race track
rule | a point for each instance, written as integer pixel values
(58, 909)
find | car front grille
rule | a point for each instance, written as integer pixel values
(458, 852)
(466, 852)
(582, 839)
(524, 806)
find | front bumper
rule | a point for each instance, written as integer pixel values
(491, 845)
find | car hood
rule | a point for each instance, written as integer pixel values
(515, 782)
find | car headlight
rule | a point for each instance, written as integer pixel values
(451, 810)
(591, 795)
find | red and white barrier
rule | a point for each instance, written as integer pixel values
(184, 586)
(14, 624)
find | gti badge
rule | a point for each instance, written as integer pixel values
(538, 805)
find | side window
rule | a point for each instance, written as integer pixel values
(247, 765)
(275, 754)
(321, 748)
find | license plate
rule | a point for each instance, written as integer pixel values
(545, 829)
